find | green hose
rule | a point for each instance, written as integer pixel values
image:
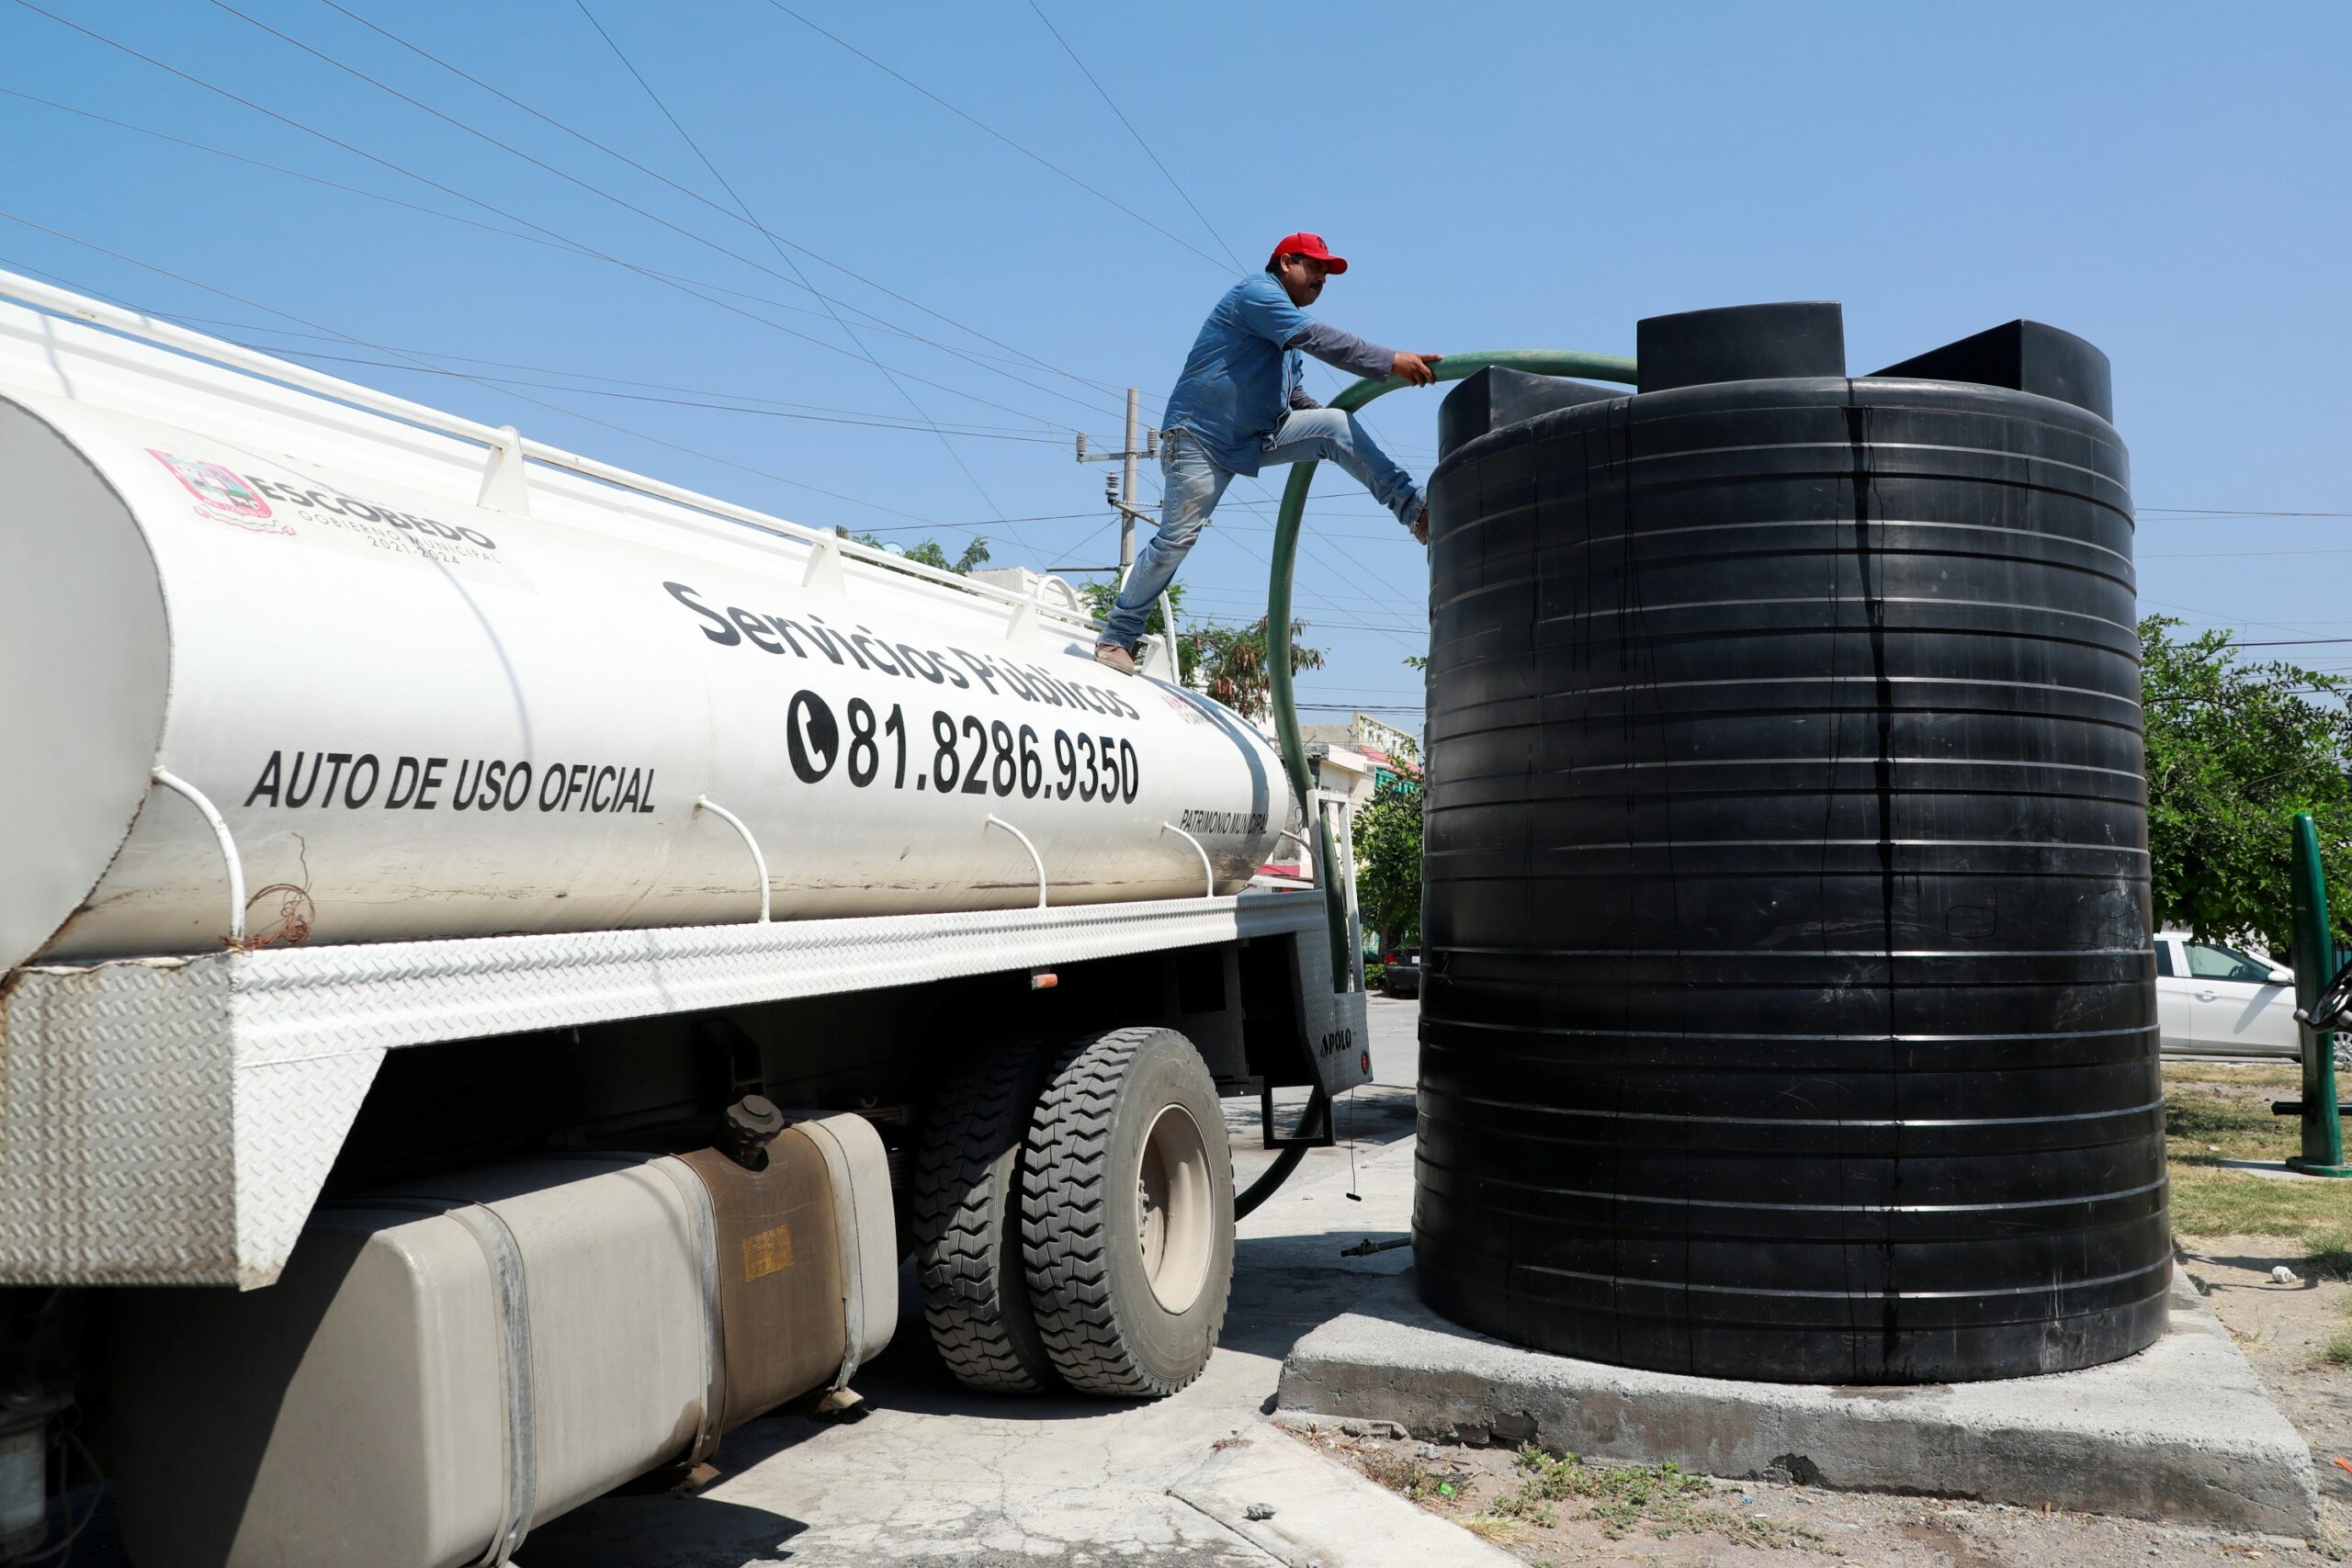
(1452, 367)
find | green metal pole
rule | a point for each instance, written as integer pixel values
(2313, 953)
(1453, 368)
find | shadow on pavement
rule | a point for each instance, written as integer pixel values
(661, 1530)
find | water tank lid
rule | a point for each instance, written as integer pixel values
(1742, 343)
(2026, 356)
(1497, 396)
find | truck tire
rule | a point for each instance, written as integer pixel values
(967, 1226)
(1127, 1213)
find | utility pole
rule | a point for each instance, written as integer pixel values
(1119, 493)
(1123, 499)
(1127, 491)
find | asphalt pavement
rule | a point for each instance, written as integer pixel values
(936, 1474)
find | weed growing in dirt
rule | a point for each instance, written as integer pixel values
(1665, 1500)
(1410, 1477)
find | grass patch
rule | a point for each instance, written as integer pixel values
(1662, 1500)
(2210, 1200)
(2220, 1121)
(2214, 1113)
(2269, 1075)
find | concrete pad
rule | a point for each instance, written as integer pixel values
(1320, 1514)
(2181, 1432)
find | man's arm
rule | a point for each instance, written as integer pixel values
(1343, 351)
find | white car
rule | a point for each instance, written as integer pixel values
(2214, 1000)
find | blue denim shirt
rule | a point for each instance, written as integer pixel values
(1244, 371)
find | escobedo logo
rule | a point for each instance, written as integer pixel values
(227, 496)
(221, 494)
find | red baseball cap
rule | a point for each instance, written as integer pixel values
(1307, 245)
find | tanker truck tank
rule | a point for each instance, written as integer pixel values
(425, 701)
(389, 802)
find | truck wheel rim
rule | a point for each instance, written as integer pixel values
(1175, 1224)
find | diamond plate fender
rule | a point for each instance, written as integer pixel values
(146, 1138)
(172, 1121)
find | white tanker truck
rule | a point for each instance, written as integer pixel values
(501, 958)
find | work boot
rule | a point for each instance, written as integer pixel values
(1117, 657)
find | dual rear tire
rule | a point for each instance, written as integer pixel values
(1074, 1216)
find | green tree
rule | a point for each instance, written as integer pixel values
(930, 552)
(1102, 597)
(1234, 664)
(1228, 662)
(1388, 862)
(2234, 751)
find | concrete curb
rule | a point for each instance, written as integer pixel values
(1324, 1514)
(2182, 1432)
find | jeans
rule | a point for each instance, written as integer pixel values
(1192, 482)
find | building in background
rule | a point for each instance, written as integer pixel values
(1356, 758)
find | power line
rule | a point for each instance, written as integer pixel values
(1148, 152)
(717, 406)
(1000, 136)
(281, 169)
(2230, 555)
(527, 238)
(728, 399)
(1306, 592)
(2219, 616)
(590, 376)
(1409, 616)
(562, 239)
(1043, 517)
(696, 195)
(593, 189)
(536, 402)
(2195, 513)
(571, 248)
(732, 195)
(1364, 692)
(642, 212)
(1348, 617)
(1349, 569)
(2291, 642)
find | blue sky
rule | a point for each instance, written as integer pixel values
(2167, 180)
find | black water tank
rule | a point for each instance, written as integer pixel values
(1789, 1008)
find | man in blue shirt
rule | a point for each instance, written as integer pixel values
(1242, 405)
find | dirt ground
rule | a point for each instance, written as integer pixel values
(2219, 1124)
(2285, 1330)
(1761, 1523)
